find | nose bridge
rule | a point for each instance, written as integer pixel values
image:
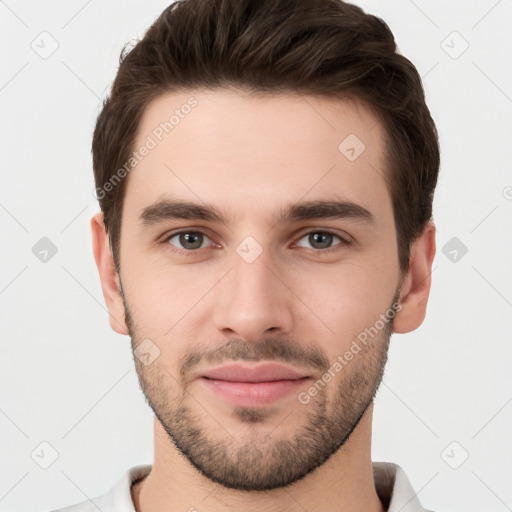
(253, 277)
(253, 298)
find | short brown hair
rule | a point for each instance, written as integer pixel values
(320, 47)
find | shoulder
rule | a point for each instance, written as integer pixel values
(394, 488)
(116, 499)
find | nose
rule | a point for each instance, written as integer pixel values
(253, 300)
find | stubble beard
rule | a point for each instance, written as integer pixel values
(269, 461)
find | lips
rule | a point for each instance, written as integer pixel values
(258, 385)
(267, 372)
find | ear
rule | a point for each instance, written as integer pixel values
(110, 282)
(416, 286)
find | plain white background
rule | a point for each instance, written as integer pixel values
(444, 409)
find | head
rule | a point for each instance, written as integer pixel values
(303, 139)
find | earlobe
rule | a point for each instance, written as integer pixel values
(110, 283)
(416, 286)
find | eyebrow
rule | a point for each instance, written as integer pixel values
(167, 209)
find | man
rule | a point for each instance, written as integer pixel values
(265, 171)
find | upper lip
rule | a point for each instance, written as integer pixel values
(266, 372)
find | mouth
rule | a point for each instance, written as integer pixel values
(246, 386)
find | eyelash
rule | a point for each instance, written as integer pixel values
(193, 252)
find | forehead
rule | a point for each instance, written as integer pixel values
(249, 153)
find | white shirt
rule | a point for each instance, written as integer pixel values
(391, 484)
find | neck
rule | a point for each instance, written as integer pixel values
(345, 482)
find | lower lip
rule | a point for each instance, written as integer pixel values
(253, 393)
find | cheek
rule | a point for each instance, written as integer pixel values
(162, 296)
(356, 284)
(343, 301)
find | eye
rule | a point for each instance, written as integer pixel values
(322, 240)
(188, 241)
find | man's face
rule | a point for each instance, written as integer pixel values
(221, 299)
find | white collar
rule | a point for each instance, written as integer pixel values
(391, 483)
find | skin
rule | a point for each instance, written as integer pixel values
(250, 156)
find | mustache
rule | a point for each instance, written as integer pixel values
(273, 349)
